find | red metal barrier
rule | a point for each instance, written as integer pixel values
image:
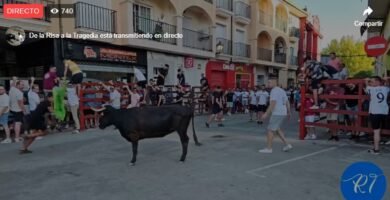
(361, 97)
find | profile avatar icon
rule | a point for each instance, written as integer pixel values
(15, 36)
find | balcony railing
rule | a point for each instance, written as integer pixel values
(280, 58)
(265, 18)
(95, 17)
(294, 60)
(281, 24)
(225, 4)
(197, 40)
(227, 45)
(46, 4)
(241, 49)
(264, 54)
(143, 25)
(294, 32)
(209, 1)
(242, 9)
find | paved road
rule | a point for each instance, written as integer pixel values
(94, 165)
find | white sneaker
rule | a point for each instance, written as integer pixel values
(314, 107)
(18, 140)
(76, 132)
(387, 143)
(313, 137)
(266, 150)
(307, 137)
(6, 141)
(39, 138)
(287, 148)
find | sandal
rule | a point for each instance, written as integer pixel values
(25, 151)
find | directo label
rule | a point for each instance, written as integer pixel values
(23, 10)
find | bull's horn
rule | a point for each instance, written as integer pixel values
(98, 110)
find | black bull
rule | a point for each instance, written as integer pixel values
(150, 122)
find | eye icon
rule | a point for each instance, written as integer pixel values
(54, 11)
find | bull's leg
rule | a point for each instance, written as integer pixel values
(184, 143)
(135, 150)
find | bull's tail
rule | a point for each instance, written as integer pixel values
(197, 143)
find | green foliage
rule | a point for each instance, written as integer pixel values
(351, 52)
(363, 74)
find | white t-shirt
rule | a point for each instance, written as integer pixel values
(15, 95)
(73, 99)
(253, 98)
(115, 98)
(135, 97)
(245, 95)
(237, 95)
(139, 75)
(378, 100)
(4, 102)
(263, 97)
(33, 100)
(279, 96)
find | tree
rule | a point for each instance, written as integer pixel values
(351, 53)
(363, 74)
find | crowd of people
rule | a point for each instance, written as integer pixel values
(61, 101)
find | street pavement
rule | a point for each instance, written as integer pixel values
(95, 165)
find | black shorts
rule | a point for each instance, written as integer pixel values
(37, 123)
(17, 116)
(77, 78)
(160, 81)
(252, 107)
(142, 84)
(377, 121)
(314, 84)
(89, 112)
(216, 109)
(262, 108)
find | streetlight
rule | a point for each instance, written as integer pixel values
(219, 47)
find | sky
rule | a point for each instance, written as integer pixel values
(336, 17)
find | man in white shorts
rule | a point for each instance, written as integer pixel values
(279, 109)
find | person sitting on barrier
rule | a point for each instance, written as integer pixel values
(378, 109)
(333, 104)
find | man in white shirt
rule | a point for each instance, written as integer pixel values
(141, 82)
(4, 112)
(73, 102)
(252, 103)
(17, 106)
(115, 96)
(33, 97)
(245, 99)
(378, 109)
(262, 101)
(237, 99)
(279, 109)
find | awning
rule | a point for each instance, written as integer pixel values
(116, 69)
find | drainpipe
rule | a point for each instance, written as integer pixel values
(61, 29)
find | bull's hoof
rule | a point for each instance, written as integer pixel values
(132, 164)
(182, 161)
(198, 144)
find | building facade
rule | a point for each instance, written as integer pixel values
(236, 43)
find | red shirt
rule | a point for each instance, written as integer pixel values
(49, 80)
(307, 104)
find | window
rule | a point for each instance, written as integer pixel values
(142, 16)
(187, 22)
(240, 36)
(221, 31)
(260, 80)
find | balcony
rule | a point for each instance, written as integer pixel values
(143, 25)
(264, 54)
(281, 25)
(96, 18)
(241, 50)
(265, 18)
(46, 3)
(209, 1)
(280, 58)
(242, 13)
(224, 8)
(197, 40)
(227, 46)
(294, 32)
